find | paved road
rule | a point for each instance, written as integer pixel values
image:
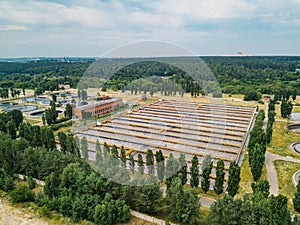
(272, 175)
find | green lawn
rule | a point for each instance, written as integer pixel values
(246, 177)
(285, 171)
(281, 139)
(296, 108)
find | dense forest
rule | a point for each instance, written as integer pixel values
(236, 75)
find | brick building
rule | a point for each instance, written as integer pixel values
(98, 108)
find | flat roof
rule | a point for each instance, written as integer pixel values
(102, 102)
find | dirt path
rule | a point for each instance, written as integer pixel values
(10, 215)
(265, 123)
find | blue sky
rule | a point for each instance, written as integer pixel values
(93, 27)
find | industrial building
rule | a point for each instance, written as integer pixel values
(98, 108)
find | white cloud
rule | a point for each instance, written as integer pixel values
(12, 28)
(203, 10)
(52, 14)
(117, 21)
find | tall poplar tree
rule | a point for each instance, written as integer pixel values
(123, 155)
(206, 171)
(131, 163)
(150, 161)
(296, 199)
(234, 178)
(183, 168)
(220, 175)
(99, 156)
(160, 165)
(140, 164)
(172, 168)
(257, 162)
(84, 148)
(194, 170)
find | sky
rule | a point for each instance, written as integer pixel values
(91, 28)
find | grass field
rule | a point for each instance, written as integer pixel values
(296, 108)
(285, 171)
(246, 177)
(281, 140)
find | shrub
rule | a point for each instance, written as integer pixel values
(21, 194)
(41, 199)
(252, 95)
(44, 211)
(8, 183)
(31, 182)
(55, 127)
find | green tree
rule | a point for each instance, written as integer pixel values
(99, 156)
(296, 199)
(257, 162)
(11, 129)
(175, 195)
(140, 164)
(172, 168)
(183, 168)
(206, 171)
(234, 178)
(62, 137)
(131, 163)
(8, 183)
(252, 95)
(279, 210)
(160, 165)
(44, 119)
(51, 113)
(84, 148)
(220, 175)
(148, 198)
(123, 156)
(190, 212)
(225, 211)
(16, 116)
(150, 161)
(114, 151)
(286, 108)
(262, 187)
(183, 204)
(194, 170)
(68, 111)
(106, 150)
(3, 126)
(54, 98)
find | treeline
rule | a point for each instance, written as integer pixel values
(47, 74)
(236, 75)
(259, 139)
(266, 74)
(112, 162)
(257, 208)
(33, 152)
(156, 170)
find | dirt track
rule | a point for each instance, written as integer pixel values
(10, 215)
